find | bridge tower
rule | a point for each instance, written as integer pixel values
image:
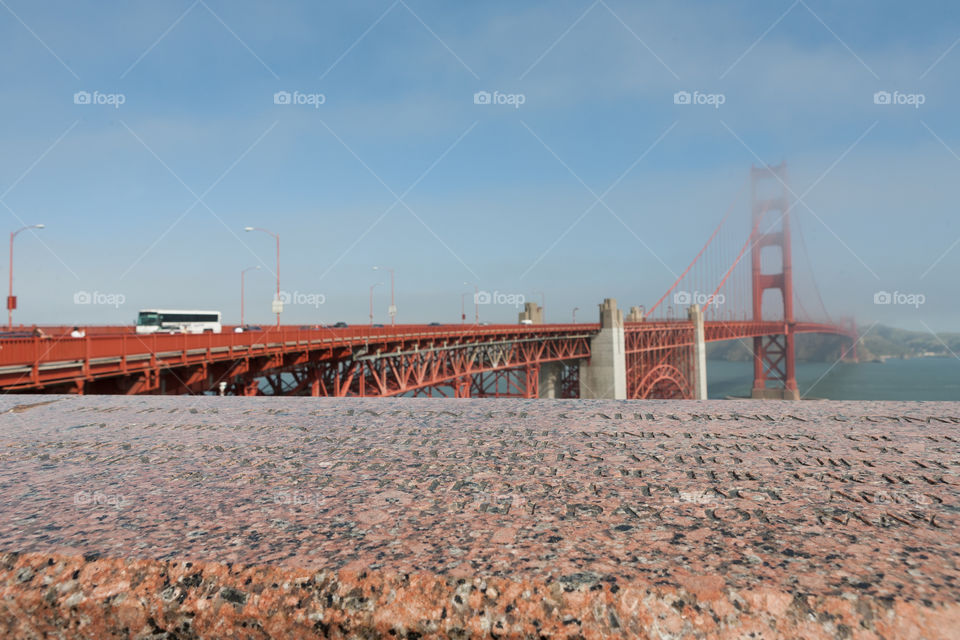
(774, 374)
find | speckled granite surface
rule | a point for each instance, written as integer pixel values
(300, 517)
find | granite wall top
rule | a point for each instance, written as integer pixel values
(420, 517)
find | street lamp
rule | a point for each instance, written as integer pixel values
(277, 303)
(393, 306)
(372, 287)
(575, 309)
(242, 288)
(11, 301)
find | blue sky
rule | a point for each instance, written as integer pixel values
(148, 200)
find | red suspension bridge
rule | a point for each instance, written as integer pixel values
(734, 289)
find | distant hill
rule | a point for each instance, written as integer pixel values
(879, 344)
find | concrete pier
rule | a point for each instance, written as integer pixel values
(775, 394)
(532, 313)
(635, 315)
(550, 379)
(605, 374)
(699, 354)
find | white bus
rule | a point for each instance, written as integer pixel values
(178, 321)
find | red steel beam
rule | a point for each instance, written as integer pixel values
(124, 362)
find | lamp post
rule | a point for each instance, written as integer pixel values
(393, 306)
(244, 271)
(372, 287)
(277, 237)
(575, 315)
(11, 301)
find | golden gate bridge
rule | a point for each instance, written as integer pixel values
(735, 288)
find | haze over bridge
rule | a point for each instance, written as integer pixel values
(734, 289)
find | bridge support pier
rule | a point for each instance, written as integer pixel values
(550, 374)
(461, 387)
(699, 354)
(250, 386)
(605, 374)
(773, 361)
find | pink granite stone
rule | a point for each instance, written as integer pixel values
(299, 517)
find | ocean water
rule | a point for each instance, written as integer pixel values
(914, 379)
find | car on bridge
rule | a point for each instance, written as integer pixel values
(247, 327)
(15, 334)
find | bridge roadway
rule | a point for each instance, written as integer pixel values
(359, 360)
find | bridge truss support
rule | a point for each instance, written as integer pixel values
(659, 360)
(509, 368)
(774, 373)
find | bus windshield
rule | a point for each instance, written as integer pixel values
(146, 319)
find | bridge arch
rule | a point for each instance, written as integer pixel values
(664, 381)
